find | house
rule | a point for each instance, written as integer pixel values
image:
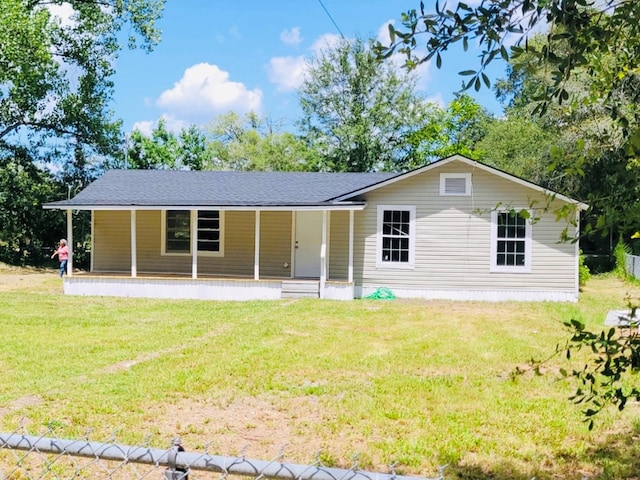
(453, 229)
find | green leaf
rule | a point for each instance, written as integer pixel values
(486, 81)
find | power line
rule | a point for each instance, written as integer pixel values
(331, 18)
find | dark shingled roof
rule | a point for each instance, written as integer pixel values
(216, 188)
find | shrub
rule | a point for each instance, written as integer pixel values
(620, 253)
(584, 274)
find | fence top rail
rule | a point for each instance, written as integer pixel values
(274, 469)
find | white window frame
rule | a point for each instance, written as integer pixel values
(494, 267)
(201, 253)
(467, 184)
(412, 236)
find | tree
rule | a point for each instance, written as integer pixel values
(251, 142)
(164, 149)
(587, 157)
(26, 230)
(55, 90)
(593, 39)
(445, 132)
(519, 145)
(357, 112)
(56, 72)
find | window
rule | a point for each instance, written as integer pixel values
(177, 232)
(511, 242)
(396, 232)
(209, 231)
(455, 184)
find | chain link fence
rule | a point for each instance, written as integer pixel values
(46, 457)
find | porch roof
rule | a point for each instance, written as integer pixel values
(129, 189)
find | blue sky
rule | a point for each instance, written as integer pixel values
(218, 56)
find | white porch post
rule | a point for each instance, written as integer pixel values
(194, 243)
(350, 271)
(323, 255)
(70, 242)
(256, 254)
(134, 248)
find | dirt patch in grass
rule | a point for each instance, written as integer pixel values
(32, 280)
(259, 427)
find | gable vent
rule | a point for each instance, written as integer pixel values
(455, 184)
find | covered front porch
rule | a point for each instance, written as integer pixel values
(263, 254)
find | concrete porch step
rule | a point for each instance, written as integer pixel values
(300, 289)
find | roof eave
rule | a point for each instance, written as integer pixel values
(65, 205)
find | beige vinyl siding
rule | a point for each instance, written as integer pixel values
(112, 245)
(239, 239)
(149, 242)
(275, 244)
(339, 245)
(453, 237)
(111, 241)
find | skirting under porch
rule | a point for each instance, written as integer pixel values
(205, 288)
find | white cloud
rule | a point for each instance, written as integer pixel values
(287, 73)
(291, 37)
(145, 127)
(63, 13)
(325, 42)
(205, 91)
(172, 124)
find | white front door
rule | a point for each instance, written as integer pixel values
(308, 240)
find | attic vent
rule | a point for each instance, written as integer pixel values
(455, 184)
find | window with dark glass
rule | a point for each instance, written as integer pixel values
(178, 237)
(209, 231)
(396, 236)
(178, 231)
(511, 240)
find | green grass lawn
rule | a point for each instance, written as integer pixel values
(416, 383)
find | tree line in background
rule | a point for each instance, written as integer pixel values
(358, 114)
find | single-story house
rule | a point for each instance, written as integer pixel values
(453, 229)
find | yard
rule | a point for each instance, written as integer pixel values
(420, 383)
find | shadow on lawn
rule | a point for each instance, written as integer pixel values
(616, 456)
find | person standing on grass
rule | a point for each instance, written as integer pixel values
(63, 256)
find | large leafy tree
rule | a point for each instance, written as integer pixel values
(590, 155)
(446, 131)
(56, 66)
(254, 142)
(26, 230)
(597, 41)
(357, 112)
(164, 149)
